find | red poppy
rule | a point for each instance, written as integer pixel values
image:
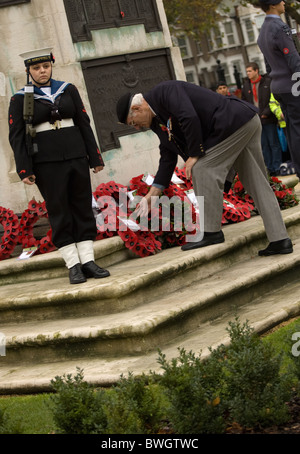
(9, 240)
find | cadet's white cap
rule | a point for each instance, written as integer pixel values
(37, 56)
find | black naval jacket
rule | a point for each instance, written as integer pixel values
(191, 119)
(54, 145)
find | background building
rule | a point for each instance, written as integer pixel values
(225, 50)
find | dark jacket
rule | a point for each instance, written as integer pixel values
(54, 145)
(281, 56)
(264, 94)
(198, 119)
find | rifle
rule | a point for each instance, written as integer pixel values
(28, 110)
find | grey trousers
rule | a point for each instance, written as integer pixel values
(242, 150)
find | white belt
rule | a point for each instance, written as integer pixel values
(65, 123)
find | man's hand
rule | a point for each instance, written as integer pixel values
(29, 180)
(190, 162)
(98, 169)
(144, 206)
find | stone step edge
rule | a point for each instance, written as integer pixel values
(153, 318)
(109, 289)
(115, 288)
(98, 372)
(102, 248)
(106, 247)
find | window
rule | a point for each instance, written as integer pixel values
(182, 44)
(190, 77)
(199, 48)
(249, 30)
(229, 33)
(218, 37)
(209, 42)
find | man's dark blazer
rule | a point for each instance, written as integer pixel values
(199, 119)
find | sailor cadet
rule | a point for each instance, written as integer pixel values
(54, 147)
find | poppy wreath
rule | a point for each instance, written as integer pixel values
(108, 196)
(34, 212)
(9, 240)
(182, 175)
(285, 196)
(237, 207)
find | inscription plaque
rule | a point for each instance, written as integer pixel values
(109, 78)
(86, 15)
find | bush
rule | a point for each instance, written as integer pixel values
(78, 409)
(255, 390)
(240, 383)
(132, 406)
(193, 389)
(135, 406)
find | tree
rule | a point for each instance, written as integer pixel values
(191, 16)
(195, 17)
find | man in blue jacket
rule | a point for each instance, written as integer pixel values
(212, 133)
(283, 65)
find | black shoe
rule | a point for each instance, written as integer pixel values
(91, 269)
(75, 274)
(207, 240)
(278, 247)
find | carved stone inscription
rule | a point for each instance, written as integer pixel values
(86, 15)
(109, 78)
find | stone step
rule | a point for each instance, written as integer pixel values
(155, 322)
(154, 302)
(262, 313)
(133, 282)
(51, 265)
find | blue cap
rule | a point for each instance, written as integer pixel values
(270, 2)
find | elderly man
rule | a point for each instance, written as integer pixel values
(212, 133)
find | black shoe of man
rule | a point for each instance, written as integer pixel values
(208, 239)
(91, 269)
(278, 247)
(75, 275)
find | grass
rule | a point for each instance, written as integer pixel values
(32, 414)
(27, 414)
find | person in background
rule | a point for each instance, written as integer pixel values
(222, 88)
(283, 65)
(56, 157)
(277, 111)
(256, 90)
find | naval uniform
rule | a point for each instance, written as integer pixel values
(224, 132)
(66, 151)
(282, 63)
